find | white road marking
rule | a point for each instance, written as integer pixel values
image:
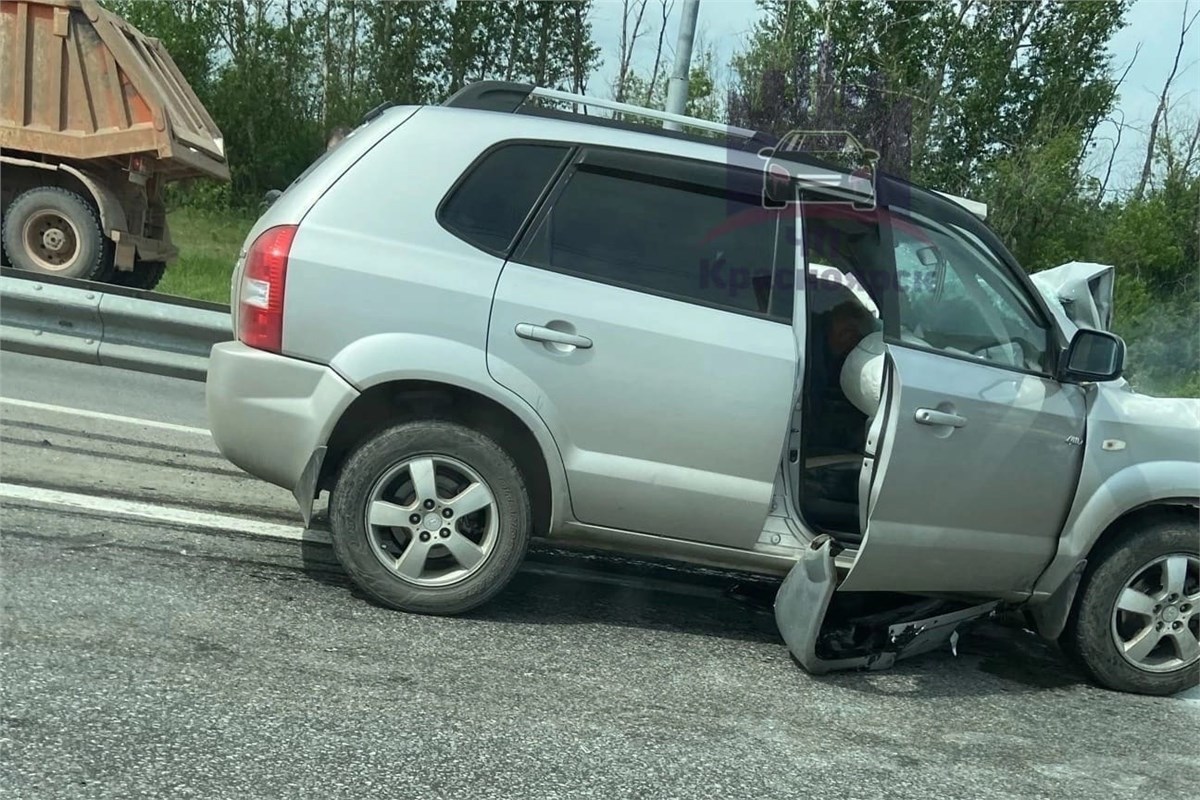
(156, 513)
(83, 412)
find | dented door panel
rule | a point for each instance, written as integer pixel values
(969, 479)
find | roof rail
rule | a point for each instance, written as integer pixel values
(505, 96)
(510, 97)
(648, 113)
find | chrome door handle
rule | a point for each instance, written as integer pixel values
(540, 333)
(931, 416)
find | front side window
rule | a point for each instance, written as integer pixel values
(955, 295)
(490, 204)
(926, 282)
(661, 234)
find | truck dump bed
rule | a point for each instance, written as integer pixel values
(78, 82)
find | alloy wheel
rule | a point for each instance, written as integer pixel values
(1155, 623)
(431, 520)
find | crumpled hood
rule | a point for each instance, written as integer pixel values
(1082, 290)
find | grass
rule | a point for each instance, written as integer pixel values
(208, 243)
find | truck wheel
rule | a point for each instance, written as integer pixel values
(55, 231)
(1136, 627)
(144, 275)
(430, 517)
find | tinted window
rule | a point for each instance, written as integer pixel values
(931, 283)
(957, 296)
(489, 205)
(660, 234)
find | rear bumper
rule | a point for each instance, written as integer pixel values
(268, 414)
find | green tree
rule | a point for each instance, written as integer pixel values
(705, 99)
(187, 29)
(404, 45)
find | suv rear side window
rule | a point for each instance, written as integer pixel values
(491, 202)
(690, 242)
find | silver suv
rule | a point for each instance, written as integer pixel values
(496, 319)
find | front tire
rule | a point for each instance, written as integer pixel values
(430, 517)
(1136, 627)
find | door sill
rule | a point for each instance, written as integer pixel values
(776, 563)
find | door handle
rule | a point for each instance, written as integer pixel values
(540, 333)
(931, 416)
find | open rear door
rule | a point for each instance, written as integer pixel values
(968, 474)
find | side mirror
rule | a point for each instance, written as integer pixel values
(1093, 356)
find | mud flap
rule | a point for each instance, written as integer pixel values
(803, 602)
(306, 488)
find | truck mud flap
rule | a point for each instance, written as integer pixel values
(803, 602)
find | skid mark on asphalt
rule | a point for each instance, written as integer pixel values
(128, 441)
(223, 471)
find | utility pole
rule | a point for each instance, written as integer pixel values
(677, 88)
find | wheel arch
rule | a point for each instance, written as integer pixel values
(112, 214)
(1098, 639)
(1124, 492)
(1060, 596)
(1168, 507)
(393, 401)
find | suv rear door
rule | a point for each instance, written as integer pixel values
(641, 317)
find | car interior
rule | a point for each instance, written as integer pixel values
(943, 293)
(844, 321)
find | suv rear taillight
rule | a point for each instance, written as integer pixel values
(260, 296)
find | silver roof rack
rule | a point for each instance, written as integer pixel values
(510, 97)
(642, 111)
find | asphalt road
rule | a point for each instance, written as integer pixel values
(154, 645)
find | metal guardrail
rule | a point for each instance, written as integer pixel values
(109, 325)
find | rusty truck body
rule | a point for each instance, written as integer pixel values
(95, 120)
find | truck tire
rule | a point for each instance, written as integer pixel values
(430, 517)
(144, 275)
(1136, 626)
(54, 231)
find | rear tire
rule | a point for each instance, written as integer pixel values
(1155, 565)
(462, 559)
(144, 275)
(54, 231)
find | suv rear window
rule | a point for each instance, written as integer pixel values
(491, 202)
